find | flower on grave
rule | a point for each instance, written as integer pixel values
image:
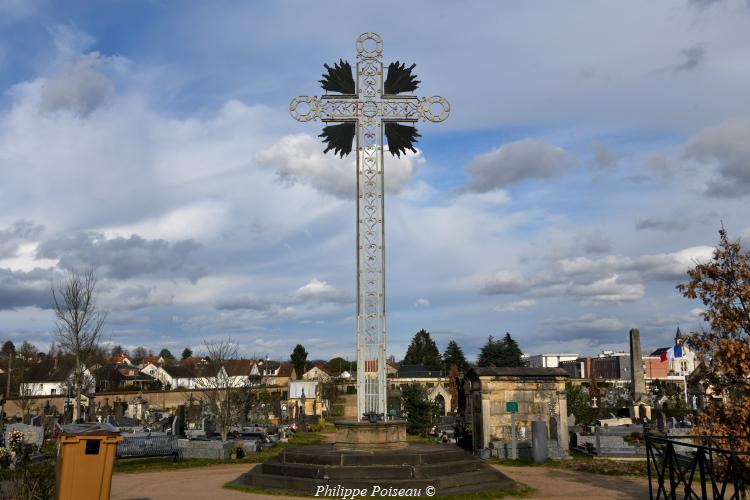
(15, 440)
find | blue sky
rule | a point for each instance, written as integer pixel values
(592, 153)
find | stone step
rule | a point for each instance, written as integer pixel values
(339, 472)
(364, 459)
(447, 468)
(309, 485)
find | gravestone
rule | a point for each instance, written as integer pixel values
(672, 423)
(106, 409)
(571, 420)
(539, 448)
(36, 421)
(661, 421)
(208, 426)
(33, 434)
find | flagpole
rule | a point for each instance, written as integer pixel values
(684, 379)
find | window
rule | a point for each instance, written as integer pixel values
(53, 392)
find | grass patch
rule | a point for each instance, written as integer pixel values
(582, 463)
(131, 465)
(420, 439)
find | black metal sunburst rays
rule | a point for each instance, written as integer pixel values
(400, 138)
(339, 78)
(339, 138)
(400, 79)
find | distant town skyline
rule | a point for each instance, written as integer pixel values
(593, 152)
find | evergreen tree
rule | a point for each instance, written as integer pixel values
(417, 409)
(299, 359)
(578, 404)
(423, 351)
(187, 353)
(338, 365)
(501, 353)
(139, 353)
(166, 354)
(9, 347)
(454, 355)
(513, 353)
(116, 351)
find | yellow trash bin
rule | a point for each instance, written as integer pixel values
(85, 457)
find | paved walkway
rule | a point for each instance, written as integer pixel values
(183, 484)
(558, 483)
(206, 483)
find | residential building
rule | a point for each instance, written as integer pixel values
(53, 377)
(317, 372)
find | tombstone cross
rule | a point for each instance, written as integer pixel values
(367, 110)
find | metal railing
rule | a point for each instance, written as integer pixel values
(692, 466)
(149, 446)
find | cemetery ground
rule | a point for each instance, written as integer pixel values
(580, 477)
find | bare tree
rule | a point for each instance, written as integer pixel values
(220, 383)
(79, 324)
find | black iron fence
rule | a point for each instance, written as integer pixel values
(691, 466)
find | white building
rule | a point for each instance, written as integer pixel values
(549, 360)
(55, 380)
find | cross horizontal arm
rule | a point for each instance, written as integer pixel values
(349, 108)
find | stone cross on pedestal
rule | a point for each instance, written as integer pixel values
(366, 111)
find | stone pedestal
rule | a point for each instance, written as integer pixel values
(366, 436)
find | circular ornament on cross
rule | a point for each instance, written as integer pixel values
(435, 108)
(304, 108)
(369, 46)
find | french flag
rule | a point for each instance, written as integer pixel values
(673, 352)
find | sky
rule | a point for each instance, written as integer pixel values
(593, 151)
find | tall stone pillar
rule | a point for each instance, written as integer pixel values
(637, 379)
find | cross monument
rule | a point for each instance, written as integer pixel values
(364, 112)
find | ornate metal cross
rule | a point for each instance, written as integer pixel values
(368, 110)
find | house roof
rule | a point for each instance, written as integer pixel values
(417, 371)
(179, 371)
(319, 366)
(122, 358)
(525, 371)
(238, 367)
(50, 369)
(154, 360)
(285, 370)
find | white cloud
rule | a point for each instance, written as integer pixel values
(726, 148)
(515, 162)
(299, 158)
(520, 305)
(612, 278)
(320, 291)
(503, 282)
(422, 302)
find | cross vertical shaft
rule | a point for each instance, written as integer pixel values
(371, 318)
(366, 112)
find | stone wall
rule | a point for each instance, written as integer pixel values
(539, 392)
